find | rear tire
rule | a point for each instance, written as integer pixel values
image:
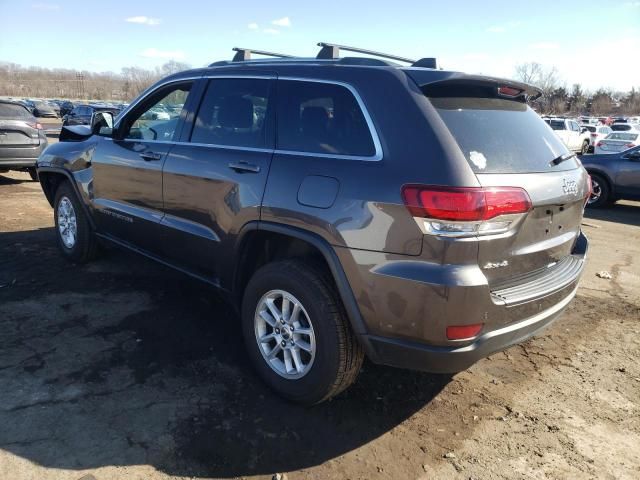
(75, 237)
(585, 148)
(328, 356)
(600, 192)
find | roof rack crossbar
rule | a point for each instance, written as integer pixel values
(332, 51)
(243, 54)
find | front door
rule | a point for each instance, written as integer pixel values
(127, 169)
(214, 179)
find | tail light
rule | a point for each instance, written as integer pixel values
(36, 125)
(466, 211)
(599, 144)
(629, 145)
(594, 135)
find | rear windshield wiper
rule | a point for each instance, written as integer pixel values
(562, 158)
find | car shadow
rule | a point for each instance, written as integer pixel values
(4, 180)
(124, 362)
(620, 212)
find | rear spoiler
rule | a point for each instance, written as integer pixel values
(455, 84)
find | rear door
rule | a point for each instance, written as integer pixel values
(516, 149)
(214, 178)
(628, 174)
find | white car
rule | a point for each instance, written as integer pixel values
(617, 142)
(596, 133)
(575, 138)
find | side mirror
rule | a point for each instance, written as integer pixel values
(102, 124)
(583, 130)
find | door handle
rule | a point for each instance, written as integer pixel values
(244, 167)
(148, 156)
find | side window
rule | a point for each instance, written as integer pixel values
(234, 112)
(158, 115)
(321, 118)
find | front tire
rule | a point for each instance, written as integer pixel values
(297, 334)
(75, 237)
(600, 192)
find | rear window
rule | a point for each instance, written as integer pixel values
(590, 128)
(12, 111)
(502, 136)
(621, 127)
(622, 136)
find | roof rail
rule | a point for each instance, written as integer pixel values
(243, 54)
(332, 51)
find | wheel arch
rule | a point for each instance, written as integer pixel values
(50, 179)
(254, 233)
(606, 178)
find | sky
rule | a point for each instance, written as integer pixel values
(594, 43)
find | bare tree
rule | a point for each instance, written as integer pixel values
(546, 79)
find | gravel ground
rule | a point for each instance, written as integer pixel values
(125, 369)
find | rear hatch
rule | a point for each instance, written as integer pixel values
(18, 128)
(508, 145)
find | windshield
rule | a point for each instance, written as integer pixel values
(502, 136)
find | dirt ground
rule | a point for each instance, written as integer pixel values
(125, 369)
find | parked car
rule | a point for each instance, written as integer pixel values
(55, 106)
(22, 139)
(614, 177)
(596, 134)
(65, 107)
(156, 114)
(83, 113)
(618, 142)
(575, 138)
(423, 231)
(43, 109)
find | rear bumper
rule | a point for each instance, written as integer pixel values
(21, 157)
(415, 356)
(406, 317)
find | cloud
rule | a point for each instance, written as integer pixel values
(45, 6)
(544, 46)
(155, 53)
(282, 22)
(253, 26)
(271, 31)
(504, 27)
(141, 19)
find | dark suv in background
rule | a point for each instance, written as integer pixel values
(22, 138)
(348, 207)
(82, 114)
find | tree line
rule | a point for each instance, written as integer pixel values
(557, 99)
(38, 82)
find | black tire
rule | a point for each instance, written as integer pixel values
(585, 148)
(85, 247)
(33, 173)
(338, 355)
(601, 192)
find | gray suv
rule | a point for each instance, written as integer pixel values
(348, 207)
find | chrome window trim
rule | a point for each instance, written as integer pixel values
(372, 130)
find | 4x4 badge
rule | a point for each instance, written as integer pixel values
(569, 187)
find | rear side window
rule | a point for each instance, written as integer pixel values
(234, 113)
(557, 124)
(502, 136)
(321, 118)
(12, 111)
